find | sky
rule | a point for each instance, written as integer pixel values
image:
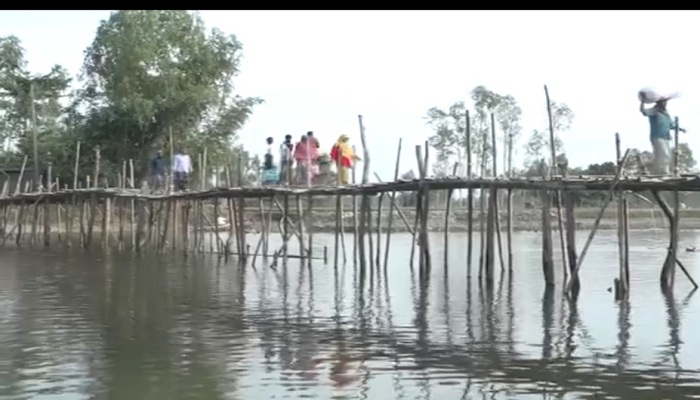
(319, 70)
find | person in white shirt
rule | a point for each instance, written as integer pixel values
(286, 159)
(182, 167)
(270, 174)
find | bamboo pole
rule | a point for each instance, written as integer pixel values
(621, 289)
(93, 199)
(558, 192)
(59, 218)
(133, 205)
(368, 233)
(547, 258)
(364, 207)
(509, 227)
(570, 215)
(47, 208)
(482, 205)
(81, 220)
(261, 207)
(423, 206)
(268, 226)
(164, 236)
(3, 223)
(20, 218)
(300, 216)
(35, 218)
(220, 246)
(310, 215)
(241, 210)
(338, 216)
(378, 261)
(668, 273)
(392, 206)
(187, 207)
(231, 219)
(625, 214)
(671, 273)
(18, 189)
(494, 193)
(355, 222)
(448, 212)
(414, 236)
(203, 186)
(285, 223)
(77, 164)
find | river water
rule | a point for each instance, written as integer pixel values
(76, 325)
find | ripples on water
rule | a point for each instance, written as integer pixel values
(79, 325)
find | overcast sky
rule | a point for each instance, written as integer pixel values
(317, 70)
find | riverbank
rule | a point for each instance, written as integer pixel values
(525, 220)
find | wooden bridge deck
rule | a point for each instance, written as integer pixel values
(686, 183)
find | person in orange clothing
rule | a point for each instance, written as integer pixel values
(344, 157)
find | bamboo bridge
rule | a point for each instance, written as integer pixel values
(136, 220)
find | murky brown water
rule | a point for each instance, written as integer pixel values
(78, 326)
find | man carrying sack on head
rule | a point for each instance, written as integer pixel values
(661, 124)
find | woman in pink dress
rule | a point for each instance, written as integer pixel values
(305, 156)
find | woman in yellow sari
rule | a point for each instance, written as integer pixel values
(344, 157)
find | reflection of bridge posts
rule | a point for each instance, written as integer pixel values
(673, 320)
(623, 335)
(547, 321)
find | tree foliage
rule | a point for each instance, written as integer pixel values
(449, 139)
(157, 72)
(146, 75)
(538, 146)
(450, 133)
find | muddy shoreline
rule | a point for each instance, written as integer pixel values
(525, 221)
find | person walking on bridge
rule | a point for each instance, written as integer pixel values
(344, 157)
(158, 171)
(182, 167)
(661, 124)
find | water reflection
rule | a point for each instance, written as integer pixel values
(119, 326)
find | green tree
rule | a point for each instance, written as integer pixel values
(450, 129)
(508, 115)
(450, 138)
(486, 102)
(20, 91)
(538, 145)
(150, 73)
(12, 64)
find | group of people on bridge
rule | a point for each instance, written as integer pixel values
(300, 162)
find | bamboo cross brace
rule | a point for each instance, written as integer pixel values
(609, 198)
(291, 225)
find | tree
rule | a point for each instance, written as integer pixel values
(450, 138)
(12, 63)
(150, 73)
(508, 115)
(450, 129)
(486, 102)
(538, 145)
(22, 93)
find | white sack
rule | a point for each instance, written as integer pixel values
(650, 96)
